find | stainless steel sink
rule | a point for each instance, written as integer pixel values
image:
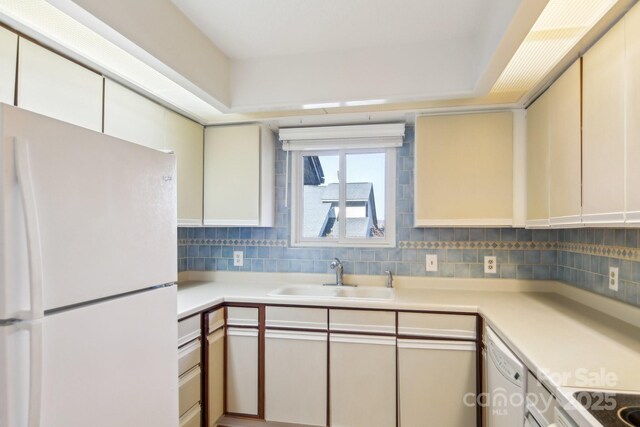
(630, 415)
(312, 291)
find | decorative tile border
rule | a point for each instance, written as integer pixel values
(531, 246)
(617, 252)
(233, 242)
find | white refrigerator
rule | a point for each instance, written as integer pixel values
(87, 278)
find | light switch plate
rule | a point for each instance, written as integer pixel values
(238, 258)
(613, 278)
(490, 265)
(432, 262)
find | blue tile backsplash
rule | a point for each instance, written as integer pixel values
(580, 257)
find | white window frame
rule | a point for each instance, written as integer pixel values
(297, 202)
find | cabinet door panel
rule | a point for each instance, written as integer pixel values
(242, 371)
(8, 56)
(565, 197)
(632, 49)
(435, 379)
(362, 381)
(538, 163)
(296, 377)
(132, 117)
(51, 85)
(215, 372)
(603, 129)
(185, 138)
(473, 155)
(232, 175)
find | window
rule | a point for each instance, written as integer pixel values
(343, 197)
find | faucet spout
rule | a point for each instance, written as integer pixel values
(336, 265)
(389, 278)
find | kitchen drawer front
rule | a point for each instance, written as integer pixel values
(189, 390)
(437, 325)
(215, 320)
(539, 401)
(379, 322)
(296, 318)
(192, 417)
(189, 356)
(242, 316)
(188, 329)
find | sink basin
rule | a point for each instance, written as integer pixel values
(365, 292)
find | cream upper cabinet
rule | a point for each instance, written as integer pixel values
(565, 196)
(185, 138)
(632, 71)
(132, 117)
(464, 170)
(8, 57)
(538, 163)
(603, 137)
(239, 179)
(51, 85)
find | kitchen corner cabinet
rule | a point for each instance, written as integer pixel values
(185, 139)
(554, 155)
(603, 142)
(538, 163)
(51, 85)
(8, 57)
(296, 366)
(239, 176)
(464, 170)
(242, 367)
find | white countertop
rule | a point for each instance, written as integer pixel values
(549, 332)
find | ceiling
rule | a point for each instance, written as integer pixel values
(246, 29)
(307, 62)
(292, 54)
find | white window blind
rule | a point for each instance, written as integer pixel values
(342, 137)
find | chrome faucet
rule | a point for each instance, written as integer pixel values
(389, 278)
(336, 265)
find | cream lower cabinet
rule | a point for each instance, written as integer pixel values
(242, 371)
(436, 383)
(362, 380)
(190, 372)
(296, 377)
(215, 366)
(243, 359)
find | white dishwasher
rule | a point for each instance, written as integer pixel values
(505, 384)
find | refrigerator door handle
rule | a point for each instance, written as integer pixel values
(34, 246)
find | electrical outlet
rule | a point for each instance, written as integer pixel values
(238, 258)
(613, 278)
(432, 262)
(490, 265)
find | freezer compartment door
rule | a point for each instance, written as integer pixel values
(86, 215)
